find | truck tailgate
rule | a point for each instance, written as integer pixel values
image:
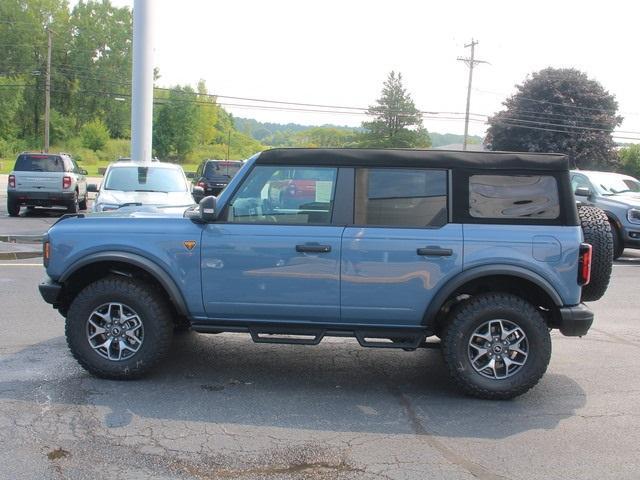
(39, 181)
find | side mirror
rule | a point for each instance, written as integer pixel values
(582, 192)
(190, 175)
(83, 171)
(208, 212)
(92, 188)
(197, 193)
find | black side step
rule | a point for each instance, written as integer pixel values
(380, 339)
(287, 335)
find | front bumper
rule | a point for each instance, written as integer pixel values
(50, 291)
(575, 321)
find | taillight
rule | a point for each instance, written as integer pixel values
(584, 264)
(66, 182)
(12, 181)
(46, 252)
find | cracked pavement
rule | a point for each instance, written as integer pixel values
(221, 407)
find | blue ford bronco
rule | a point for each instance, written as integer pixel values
(482, 252)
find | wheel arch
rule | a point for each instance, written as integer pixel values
(101, 264)
(509, 278)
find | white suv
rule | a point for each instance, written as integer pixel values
(46, 180)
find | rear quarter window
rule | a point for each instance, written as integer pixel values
(513, 197)
(39, 163)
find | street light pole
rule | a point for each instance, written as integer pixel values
(47, 93)
(142, 81)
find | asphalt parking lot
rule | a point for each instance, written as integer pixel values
(222, 407)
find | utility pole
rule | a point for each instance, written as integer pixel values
(142, 81)
(47, 93)
(469, 62)
(228, 144)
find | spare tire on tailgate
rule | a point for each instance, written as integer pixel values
(597, 233)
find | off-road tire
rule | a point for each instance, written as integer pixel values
(74, 205)
(468, 316)
(598, 233)
(13, 208)
(152, 309)
(82, 205)
(618, 246)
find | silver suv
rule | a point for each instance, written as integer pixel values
(46, 180)
(619, 196)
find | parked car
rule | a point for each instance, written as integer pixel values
(128, 184)
(619, 196)
(214, 175)
(482, 250)
(46, 180)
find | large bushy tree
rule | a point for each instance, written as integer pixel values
(559, 110)
(397, 122)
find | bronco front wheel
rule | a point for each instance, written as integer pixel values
(118, 327)
(496, 346)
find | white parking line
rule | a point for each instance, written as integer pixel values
(20, 265)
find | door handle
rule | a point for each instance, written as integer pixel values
(435, 252)
(313, 248)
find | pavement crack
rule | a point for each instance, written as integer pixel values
(476, 470)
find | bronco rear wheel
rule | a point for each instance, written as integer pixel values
(496, 346)
(597, 232)
(118, 327)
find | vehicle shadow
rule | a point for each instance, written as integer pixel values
(336, 386)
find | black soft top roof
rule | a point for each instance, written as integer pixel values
(415, 158)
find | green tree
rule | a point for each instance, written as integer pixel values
(559, 110)
(397, 122)
(98, 66)
(174, 129)
(630, 158)
(94, 134)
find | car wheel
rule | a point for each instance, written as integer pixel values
(13, 208)
(496, 346)
(74, 206)
(118, 328)
(598, 232)
(618, 246)
(83, 204)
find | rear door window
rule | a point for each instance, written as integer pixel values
(39, 163)
(401, 197)
(513, 196)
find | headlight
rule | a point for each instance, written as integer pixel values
(105, 207)
(633, 215)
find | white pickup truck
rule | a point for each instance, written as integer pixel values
(46, 180)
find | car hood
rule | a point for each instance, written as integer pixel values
(118, 197)
(623, 199)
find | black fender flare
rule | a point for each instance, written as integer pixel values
(151, 267)
(486, 271)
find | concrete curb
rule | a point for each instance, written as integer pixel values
(19, 255)
(21, 238)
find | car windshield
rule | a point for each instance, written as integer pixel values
(612, 184)
(222, 169)
(145, 179)
(39, 163)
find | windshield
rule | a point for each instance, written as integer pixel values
(145, 179)
(612, 184)
(225, 169)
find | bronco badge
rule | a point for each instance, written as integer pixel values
(189, 244)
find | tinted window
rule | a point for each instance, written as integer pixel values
(39, 163)
(513, 196)
(401, 197)
(222, 169)
(145, 179)
(296, 195)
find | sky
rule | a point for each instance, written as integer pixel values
(340, 52)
